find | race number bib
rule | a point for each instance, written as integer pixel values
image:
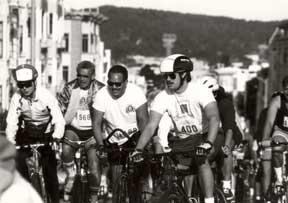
(84, 118)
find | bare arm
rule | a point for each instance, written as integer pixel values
(271, 115)
(142, 116)
(149, 130)
(211, 111)
(97, 124)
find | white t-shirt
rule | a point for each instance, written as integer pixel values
(82, 119)
(186, 109)
(121, 112)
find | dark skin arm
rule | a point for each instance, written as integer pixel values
(97, 119)
(149, 130)
(142, 116)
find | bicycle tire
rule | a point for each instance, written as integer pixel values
(121, 191)
(39, 185)
(219, 196)
(80, 192)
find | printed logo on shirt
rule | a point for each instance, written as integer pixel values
(130, 109)
(184, 108)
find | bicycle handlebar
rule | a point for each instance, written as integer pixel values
(35, 145)
(111, 134)
(271, 143)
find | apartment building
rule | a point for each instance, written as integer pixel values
(42, 33)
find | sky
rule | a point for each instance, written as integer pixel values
(264, 10)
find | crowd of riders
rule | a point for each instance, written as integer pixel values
(183, 115)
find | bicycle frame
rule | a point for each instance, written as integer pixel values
(34, 167)
(82, 171)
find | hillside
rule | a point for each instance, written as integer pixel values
(139, 31)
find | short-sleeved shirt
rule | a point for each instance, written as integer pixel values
(121, 112)
(281, 120)
(186, 109)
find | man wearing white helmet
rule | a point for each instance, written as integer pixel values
(193, 111)
(229, 127)
(34, 116)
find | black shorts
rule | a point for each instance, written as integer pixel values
(24, 137)
(83, 135)
(187, 144)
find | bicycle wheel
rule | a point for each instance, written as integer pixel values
(121, 191)
(39, 185)
(80, 192)
(219, 195)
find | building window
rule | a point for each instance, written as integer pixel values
(29, 26)
(50, 23)
(92, 38)
(21, 39)
(66, 39)
(65, 73)
(84, 43)
(49, 80)
(1, 39)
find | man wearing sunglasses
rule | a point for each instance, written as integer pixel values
(34, 116)
(76, 104)
(194, 114)
(120, 105)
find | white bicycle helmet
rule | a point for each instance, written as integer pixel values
(176, 63)
(210, 82)
(25, 72)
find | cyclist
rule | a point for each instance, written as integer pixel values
(119, 105)
(230, 129)
(34, 116)
(194, 114)
(277, 124)
(76, 104)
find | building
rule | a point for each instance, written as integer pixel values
(42, 33)
(278, 57)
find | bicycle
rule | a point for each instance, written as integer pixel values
(125, 189)
(244, 173)
(80, 190)
(175, 192)
(35, 170)
(277, 194)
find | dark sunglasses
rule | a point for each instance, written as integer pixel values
(83, 76)
(170, 75)
(24, 84)
(111, 84)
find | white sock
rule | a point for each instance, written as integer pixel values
(209, 200)
(226, 184)
(278, 172)
(70, 170)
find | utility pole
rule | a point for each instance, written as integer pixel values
(168, 40)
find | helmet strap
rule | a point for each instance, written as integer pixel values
(181, 80)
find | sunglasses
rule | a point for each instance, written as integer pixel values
(24, 84)
(111, 84)
(83, 76)
(170, 75)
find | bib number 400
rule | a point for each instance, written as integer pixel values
(189, 129)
